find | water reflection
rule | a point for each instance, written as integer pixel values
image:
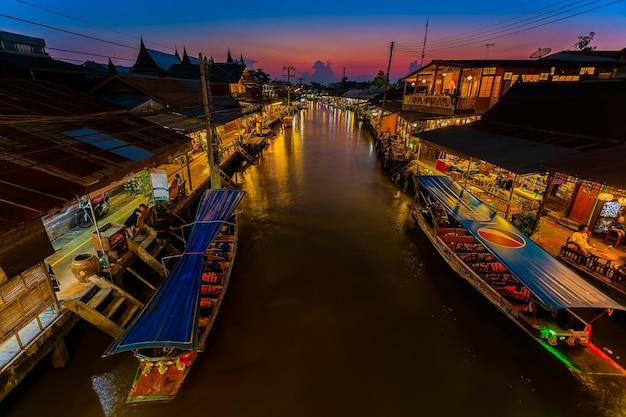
(338, 306)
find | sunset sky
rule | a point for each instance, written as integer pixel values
(321, 39)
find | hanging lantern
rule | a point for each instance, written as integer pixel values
(622, 201)
(605, 197)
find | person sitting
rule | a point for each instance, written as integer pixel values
(581, 240)
(133, 221)
(145, 220)
(441, 217)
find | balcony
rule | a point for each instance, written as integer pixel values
(443, 104)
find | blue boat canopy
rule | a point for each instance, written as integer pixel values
(552, 282)
(171, 317)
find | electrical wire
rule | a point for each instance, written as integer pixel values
(520, 25)
(90, 23)
(65, 31)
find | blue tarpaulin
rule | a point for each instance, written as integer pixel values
(552, 282)
(170, 318)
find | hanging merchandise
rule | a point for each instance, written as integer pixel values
(159, 184)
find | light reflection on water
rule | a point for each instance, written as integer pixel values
(338, 306)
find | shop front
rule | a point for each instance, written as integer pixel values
(508, 194)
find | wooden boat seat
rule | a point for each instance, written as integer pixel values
(499, 279)
(476, 257)
(467, 247)
(441, 231)
(492, 267)
(457, 239)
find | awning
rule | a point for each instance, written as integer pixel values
(553, 283)
(517, 155)
(171, 317)
(605, 166)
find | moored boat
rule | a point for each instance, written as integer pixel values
(170, 332)
(533, 289)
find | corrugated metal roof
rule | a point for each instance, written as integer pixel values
(605, 166)
(591, 111)
(55, 151)
(517, 155)
(27, 99)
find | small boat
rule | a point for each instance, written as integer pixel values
(531, 287)
(171, 330)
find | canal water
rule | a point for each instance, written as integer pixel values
(338, 306)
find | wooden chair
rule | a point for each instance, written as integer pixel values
(612, 237)
(176, 191)
(572, 250)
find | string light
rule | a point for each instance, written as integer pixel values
(605, 197)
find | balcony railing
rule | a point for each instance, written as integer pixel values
(438, 104)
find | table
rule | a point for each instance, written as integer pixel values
(607, 256)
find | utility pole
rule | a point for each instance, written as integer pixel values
(424, 46)
(289, 69)
(207, 101)
(488, 46)
(382, 110)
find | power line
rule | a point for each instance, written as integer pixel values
(513, 28)
(85, 53)
(65, 31)
(89, 23)
(499, 26)
(481, 36)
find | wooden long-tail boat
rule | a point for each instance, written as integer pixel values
(528, 285)
(170, 332)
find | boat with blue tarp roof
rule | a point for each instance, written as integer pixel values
(532, 288)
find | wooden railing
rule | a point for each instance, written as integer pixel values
(592, 264)
(439, 103)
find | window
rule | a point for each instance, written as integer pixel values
(530, 78)
(507, 76)
(543, 76)
(565, 78)
(485, 87)
(489, 71)
(587, 70)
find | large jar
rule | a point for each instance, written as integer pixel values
(85, 265)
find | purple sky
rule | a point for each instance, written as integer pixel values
(320, 40)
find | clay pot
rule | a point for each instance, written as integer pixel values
(85, 265)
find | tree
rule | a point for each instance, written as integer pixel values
(260, 76)
(584, 41)
(380, 80)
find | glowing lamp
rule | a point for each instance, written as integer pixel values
(622, 200)
(605, 196)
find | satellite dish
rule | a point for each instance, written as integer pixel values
(540, 52)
